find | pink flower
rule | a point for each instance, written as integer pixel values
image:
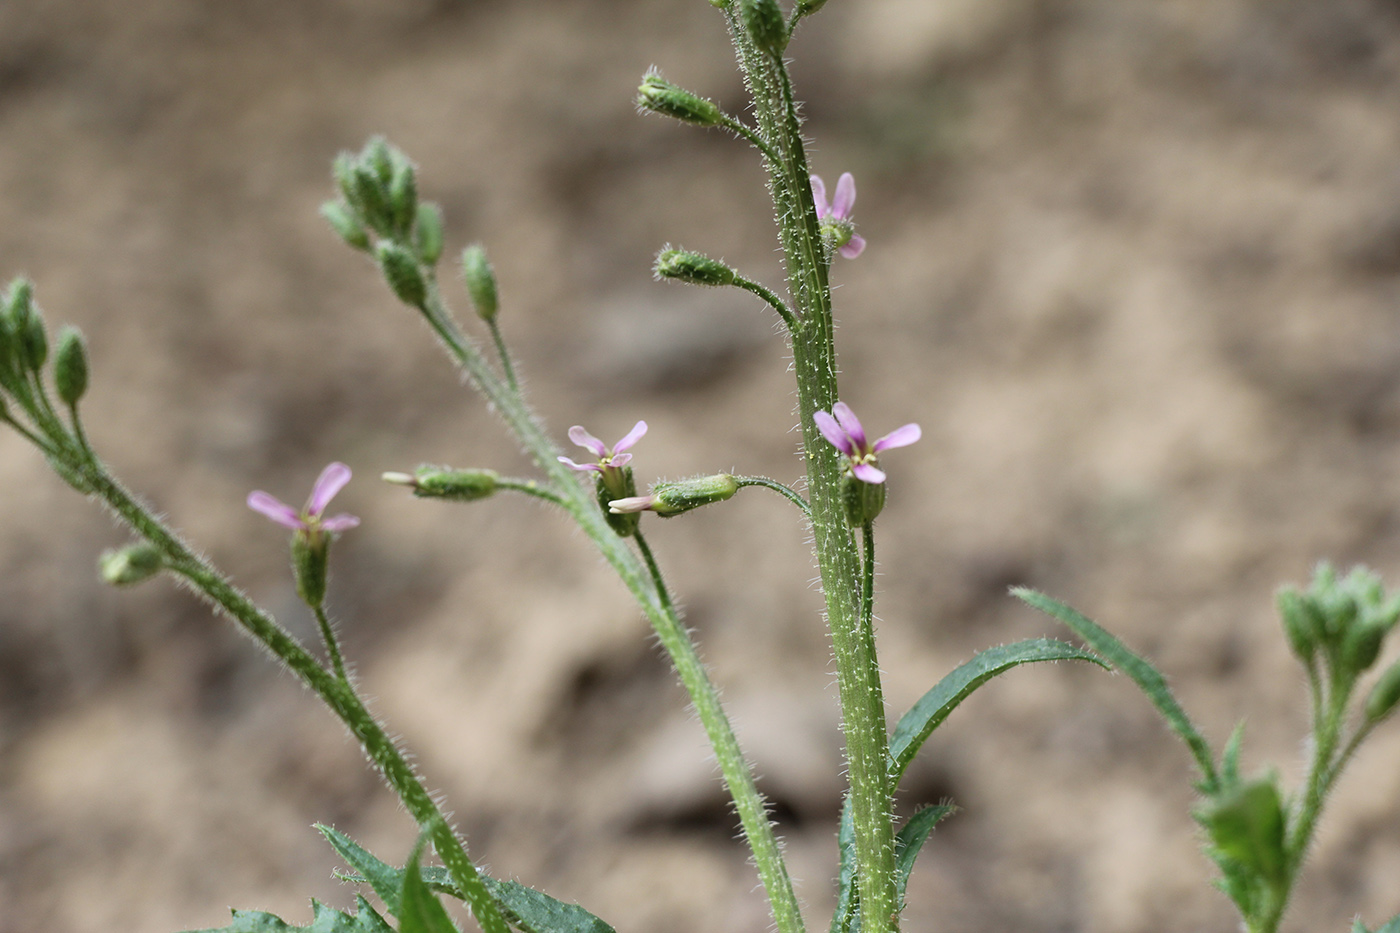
(845, 433)
(835, 218)
(609, 460)
(331, 481)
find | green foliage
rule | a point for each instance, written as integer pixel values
(324, 920)
(419, 909)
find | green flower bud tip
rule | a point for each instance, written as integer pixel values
(18, 301)
(342, 219)
(34, 341)
(808, 7)
(427, 233)
(1301, 623)
(765, 23)
(480, 279)
(403, 194)
(1385, 695)
(1363, 645)
(402, 273)
(70, 369)
(430, 482)
(694, 268)
(379, 157)
(131, 564)
(661, 96)
(668, 499)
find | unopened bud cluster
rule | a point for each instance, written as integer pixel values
(24, 352)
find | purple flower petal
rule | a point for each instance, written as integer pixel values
(845, 196)
(619, 460)
(275, 509)
(868, 473)
(581, 467)
(899, 437)
(331, 481)
(819, 196)
(587, 441)
(833, 433)
(851, 425)
(341, 522)
(853, 247)
(630, 504)
(631, 438)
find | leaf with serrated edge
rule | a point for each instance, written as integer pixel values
(383, 878)
(419, 909)
(324, 920)
(933, 707)
(1147, 677)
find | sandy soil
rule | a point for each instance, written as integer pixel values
(1133, 264)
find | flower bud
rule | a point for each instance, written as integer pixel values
(430, 482)
(371, 200)
(1362, 645)
(427, 233)
(694, 268)
(661, 96)
(342, 219)
(1301, 623)
(864, 501)
(481, 281)
(70, 368)
(19, 299)
(808, 7)
(1385, 695)
(669, 499)
(403, 193)
(34, 341)
(402, 273)
(310, 555)
(131, 564)
(378, 157)
(764, 21)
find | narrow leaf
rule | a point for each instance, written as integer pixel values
(933, 707)
(847, 897)
(910, 840)
(384, 879)
(324, 920)
(419, 909)
(1148, 679)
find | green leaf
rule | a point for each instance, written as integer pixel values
(419, 909)
(525, 908)
(1148, 679)
(384, 879)
(847, 898)
(324, 920)
(910, 841)
(1246, 825)
(933, 707)
(1393, 926)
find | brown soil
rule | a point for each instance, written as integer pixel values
(1133, 264)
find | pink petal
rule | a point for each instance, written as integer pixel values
(581, 467)
(853, 247)
(618, 460)
(850, 424)
(331, 481)
(587, 441)
(833, 433)
(899, 437)
(629, 504)
(632, 437)
(275, 509)
(341, 522)
(819, 196)
(868, 474)
(845, 196)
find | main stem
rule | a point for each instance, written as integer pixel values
(814, 356)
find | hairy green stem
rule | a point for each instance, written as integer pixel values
(781, 489)
(331, 642)
(503, 354)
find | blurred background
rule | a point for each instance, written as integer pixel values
(1134, 265)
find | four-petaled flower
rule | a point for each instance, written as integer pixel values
(609, 460)
(331, 481)
(846, 435)
(835, 218)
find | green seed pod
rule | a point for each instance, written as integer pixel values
(131, 564)
(427, 233)
(1385, 695)
(481, 281)
(402, 273)
(864, 501)
(457, 485)
(764, 21)
(70, 367)
(342, 219)
(694, 268)
(1301, 623)
(661, 96)
(310, 555)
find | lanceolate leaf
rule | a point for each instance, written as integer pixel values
(324, 920)
(1143, 674)
(933, 707)
(910, 841)
(847, 898)
(384, 879)
(419, 909)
